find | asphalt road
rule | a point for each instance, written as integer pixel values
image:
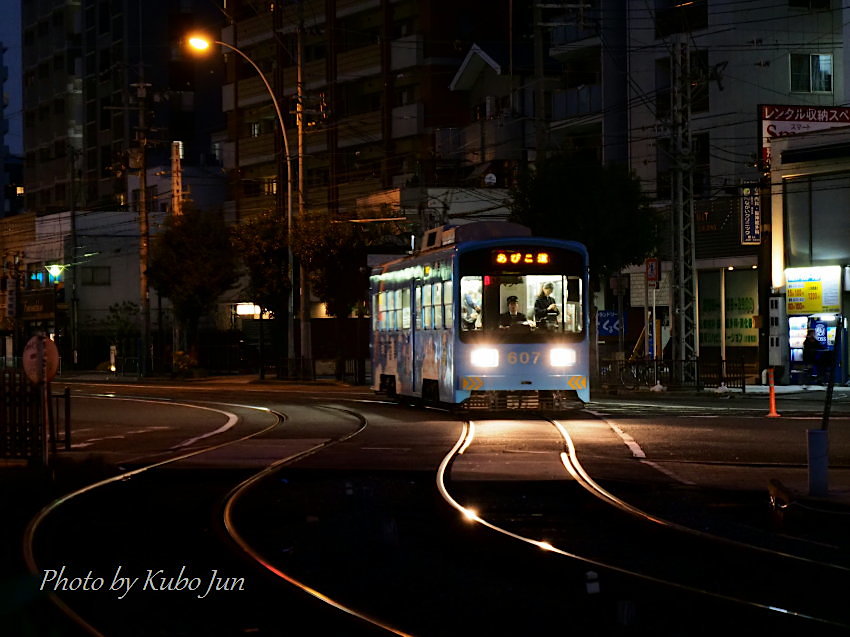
(704, 460)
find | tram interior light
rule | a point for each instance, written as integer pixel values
(562, 357)
(484, 357)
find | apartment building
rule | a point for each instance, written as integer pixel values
(378, 110)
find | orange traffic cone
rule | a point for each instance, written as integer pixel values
(772, 413)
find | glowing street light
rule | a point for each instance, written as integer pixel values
(202, 44)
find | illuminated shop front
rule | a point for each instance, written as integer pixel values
(813, 302)
(810, 250)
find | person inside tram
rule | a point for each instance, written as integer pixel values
(513, 316)
(545, 309)
(470, 308)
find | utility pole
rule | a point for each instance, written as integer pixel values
(684, 302)
(75, 301)
(540, 124)
(304, 280)
(144, 230)
(176, 180)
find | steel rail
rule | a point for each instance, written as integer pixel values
(242, 488)
(570, 461)
(465, 440)
(38, 519)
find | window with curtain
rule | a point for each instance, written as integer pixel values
(811, 72)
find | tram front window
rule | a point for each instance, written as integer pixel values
(518, 304)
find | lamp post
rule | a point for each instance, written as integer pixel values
(201, 43)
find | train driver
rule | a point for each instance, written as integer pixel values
(545, 309)
(513, 316)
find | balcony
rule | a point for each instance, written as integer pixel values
(581, 100)
(356, 130)
(407, 120)
(406, 52)
(359, 63)
(256, 150)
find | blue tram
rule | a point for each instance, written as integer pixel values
(483, 316)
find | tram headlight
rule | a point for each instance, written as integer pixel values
(562, 357)
(484, 357)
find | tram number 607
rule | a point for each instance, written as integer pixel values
(523, 358)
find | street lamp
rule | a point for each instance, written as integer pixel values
(202, 44)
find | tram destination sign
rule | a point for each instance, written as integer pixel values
(517, 257)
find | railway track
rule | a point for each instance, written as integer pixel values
(155, 536)
(530, 542)
(711, 582)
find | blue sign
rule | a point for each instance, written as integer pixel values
(750, 216)
(608, 323)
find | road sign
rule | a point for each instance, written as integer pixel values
(652, 273)
(608, 323)
(40, 356)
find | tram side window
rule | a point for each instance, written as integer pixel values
(381, 313)
(417, 304)
(390, 310)
(447, 303)
(405, 309)
(470, 302)
(437, 298)
(397, 307)
(427, 308)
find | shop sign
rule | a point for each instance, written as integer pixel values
(38, 304)
(741, 308)
(813, 290)
(784, 120)
(750, 216)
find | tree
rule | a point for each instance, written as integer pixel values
(262, 243)
(600, 206)
(334, 252)
(192, 263)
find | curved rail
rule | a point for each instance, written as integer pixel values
(35, 522)
(255, 555)
(463, 443)
(571, 463)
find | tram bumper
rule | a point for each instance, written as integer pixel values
(500, 392)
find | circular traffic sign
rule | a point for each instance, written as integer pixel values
(40, 356)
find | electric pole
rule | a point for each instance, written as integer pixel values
(684, 319)
(176, 180)
(144, 230)
(304, 279)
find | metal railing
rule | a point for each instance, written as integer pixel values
(685, 374)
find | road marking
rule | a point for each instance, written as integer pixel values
(631, 443)
(232, 418)
(668, 473)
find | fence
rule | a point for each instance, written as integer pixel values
(687, 374)
(22, 428)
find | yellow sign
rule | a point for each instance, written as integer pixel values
(472, 383)
(813, 290)
(577, 382)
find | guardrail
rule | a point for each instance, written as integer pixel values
(685, 374)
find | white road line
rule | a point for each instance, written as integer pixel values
(668, 473)
(630, 442)
(232, 418)
(639, 453)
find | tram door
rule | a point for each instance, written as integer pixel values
(415, 326)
